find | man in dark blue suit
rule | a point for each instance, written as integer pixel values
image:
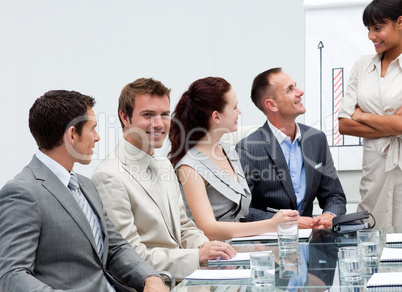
(288, 164)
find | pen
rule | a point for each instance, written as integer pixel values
(273, 210)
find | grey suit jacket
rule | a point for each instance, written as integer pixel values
(47, 243)
(269, 180)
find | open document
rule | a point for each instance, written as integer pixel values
(219, 275)
(303, 234)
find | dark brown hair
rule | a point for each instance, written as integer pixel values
(190, 120)
(54, 112)
(260, 87)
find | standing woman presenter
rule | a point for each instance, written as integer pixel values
(372, 109)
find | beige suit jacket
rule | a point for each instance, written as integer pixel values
(167, 241)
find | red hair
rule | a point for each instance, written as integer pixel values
(190, 119)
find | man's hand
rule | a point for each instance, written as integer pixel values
(154, 284)
(215, 249)
(325, 221)
(307, 222)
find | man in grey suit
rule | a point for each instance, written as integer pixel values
(288, 164)
(54, 234)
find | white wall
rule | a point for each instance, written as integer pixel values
(96, 47)
(338, 25)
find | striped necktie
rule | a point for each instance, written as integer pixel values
(91, 217)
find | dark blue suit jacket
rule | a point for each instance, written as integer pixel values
(269, 180)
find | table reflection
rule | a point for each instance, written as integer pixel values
(313, 268)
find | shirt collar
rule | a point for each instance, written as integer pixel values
(376, 61)
(55, 167)
(400, 60)
(134, 153)
(280, 136)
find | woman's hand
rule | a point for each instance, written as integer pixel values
(357, 114)
(284, 216)
(383, 125)
(399, 111)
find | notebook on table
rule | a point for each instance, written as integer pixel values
(391, 255)
(394, 239)
(239, 257)
(239, 274)
(303, 234)
(391, 281)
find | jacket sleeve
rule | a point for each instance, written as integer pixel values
(324, 182)
(118, 202)
(20, 226)
(331, 197)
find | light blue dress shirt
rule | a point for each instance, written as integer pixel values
(294, 159)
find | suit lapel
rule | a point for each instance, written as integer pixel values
(275, 152)
(241, 185)
(306, 148)
(53, 184)
(134, 168)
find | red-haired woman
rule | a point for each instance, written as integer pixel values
(209, 171)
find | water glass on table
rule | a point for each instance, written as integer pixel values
(288, 237)
(262, 265)
(350, 262)
(288, 245)
(369, 240)
(369, 243)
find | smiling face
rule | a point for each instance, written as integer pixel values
(150, 122)
(287, 101)
(230, 113)
(387, 37)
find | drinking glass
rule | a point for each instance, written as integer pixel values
(369, 240)
(350, 264)
(288, 237)
(262, 265)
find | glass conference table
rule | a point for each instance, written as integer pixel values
(317, 269)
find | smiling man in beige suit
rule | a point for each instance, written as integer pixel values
(141, 192)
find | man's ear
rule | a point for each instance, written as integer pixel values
(124, 118)
(270, 105)
(71, 135)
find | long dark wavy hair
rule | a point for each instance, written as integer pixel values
(190, 119)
